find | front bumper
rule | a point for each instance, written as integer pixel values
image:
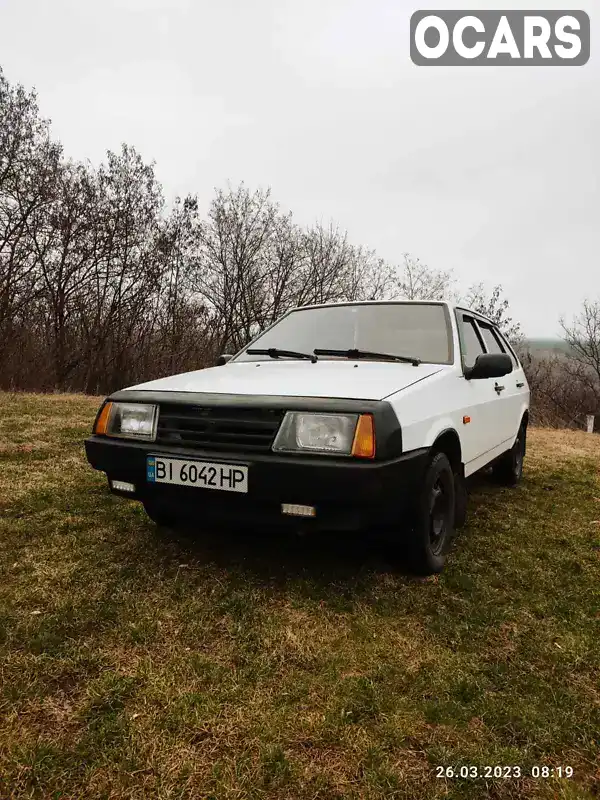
(347, 494)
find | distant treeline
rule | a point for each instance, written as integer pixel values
(547, 346)
(102, 284)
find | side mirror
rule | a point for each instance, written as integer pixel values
(223, 359)
(490, 365)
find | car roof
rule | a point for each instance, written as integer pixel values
(476, 314)
(464, 309)
(375, 303)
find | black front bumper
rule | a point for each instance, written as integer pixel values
(347, 494)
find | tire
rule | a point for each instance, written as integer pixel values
(432, 526)
(508, 470)
(160, 517)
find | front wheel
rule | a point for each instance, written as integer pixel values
(159, 516)
(431, 525)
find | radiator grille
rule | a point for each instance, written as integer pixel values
(218, 428)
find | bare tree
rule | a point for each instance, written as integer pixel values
(62, 238)
(558, 400)
(232, 261)
(254, 263)
(583, 362)
(29, 162)
(126, 270)
(332, 269)
(414, 280)
(181, 336)
(282, 282)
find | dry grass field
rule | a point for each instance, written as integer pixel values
(135, 663)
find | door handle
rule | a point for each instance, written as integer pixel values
(520, 385)
(499, 388)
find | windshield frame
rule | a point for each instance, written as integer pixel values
(300, 309)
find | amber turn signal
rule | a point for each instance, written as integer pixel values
(363, 445)
(102, 422)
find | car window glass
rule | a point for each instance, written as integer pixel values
(418, 330)
(506, 347)
(472, 343)
(491, 341)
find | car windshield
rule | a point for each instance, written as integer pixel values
(414, 330)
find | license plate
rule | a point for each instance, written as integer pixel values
(203, 474)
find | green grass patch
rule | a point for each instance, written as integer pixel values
(136, 664)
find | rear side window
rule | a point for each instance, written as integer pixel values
(472, 344)
(492, 342)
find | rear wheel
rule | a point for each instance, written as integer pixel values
(508, 470)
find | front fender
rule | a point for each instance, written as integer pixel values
(423, 433)
(437, 428)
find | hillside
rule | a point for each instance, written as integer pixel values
(545, 347)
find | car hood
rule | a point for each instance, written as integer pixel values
(373, 380)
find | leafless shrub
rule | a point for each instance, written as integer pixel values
(495, 306)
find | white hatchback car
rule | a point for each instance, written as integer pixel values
(344, 416)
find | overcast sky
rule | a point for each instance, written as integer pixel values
(492, 172)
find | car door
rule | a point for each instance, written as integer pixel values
(514, 391)
(479, 432)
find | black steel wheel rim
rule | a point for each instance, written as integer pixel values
(439, 507)
(518, 455)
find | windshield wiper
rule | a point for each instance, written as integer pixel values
(366, 354)
(276, 352)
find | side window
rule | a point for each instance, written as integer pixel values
(492, 343)
(472, 344)
(506, 347)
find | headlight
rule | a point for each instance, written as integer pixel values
(336, 434)
(128, 421)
